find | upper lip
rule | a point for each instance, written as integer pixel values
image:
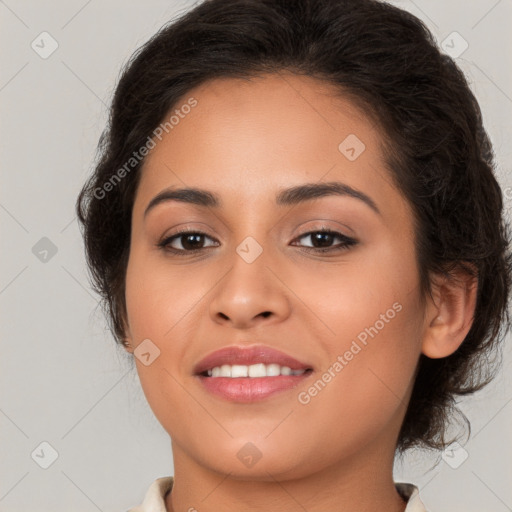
(247, 356)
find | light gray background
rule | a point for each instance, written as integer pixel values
(63, 381)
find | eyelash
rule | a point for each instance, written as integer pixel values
(346, 242)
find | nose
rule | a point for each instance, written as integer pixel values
(249, 294)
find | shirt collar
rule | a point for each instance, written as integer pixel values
(154, 500)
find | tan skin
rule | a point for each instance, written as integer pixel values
(245, 141)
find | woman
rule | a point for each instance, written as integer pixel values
(296, 229)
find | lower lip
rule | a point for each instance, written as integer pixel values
(246, 389)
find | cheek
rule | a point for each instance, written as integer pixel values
(159, 297)
(367, 291)
(374, 315)
(162, 306)
(364, 388)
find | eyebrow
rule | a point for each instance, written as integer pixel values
(285, 197)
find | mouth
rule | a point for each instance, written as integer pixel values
(254, 371)
(248, 374)
(254, 361)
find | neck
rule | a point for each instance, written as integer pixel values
(363, 482)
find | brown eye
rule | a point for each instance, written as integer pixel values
(185, 241)
(322, 240)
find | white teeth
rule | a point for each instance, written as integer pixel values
(257, 370)
(273, 370)
(254, 370)
(237, 370)
(225, 371)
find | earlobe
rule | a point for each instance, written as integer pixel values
(127, 345)
(450, 316)
(127, 338)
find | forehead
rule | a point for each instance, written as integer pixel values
(253, 135)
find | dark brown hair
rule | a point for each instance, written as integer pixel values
(436, 148)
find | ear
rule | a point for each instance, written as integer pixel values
(450, 314)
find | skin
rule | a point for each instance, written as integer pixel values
(246, 140)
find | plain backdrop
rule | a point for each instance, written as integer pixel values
(64, 383)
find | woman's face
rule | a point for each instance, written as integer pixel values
(352, 315)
